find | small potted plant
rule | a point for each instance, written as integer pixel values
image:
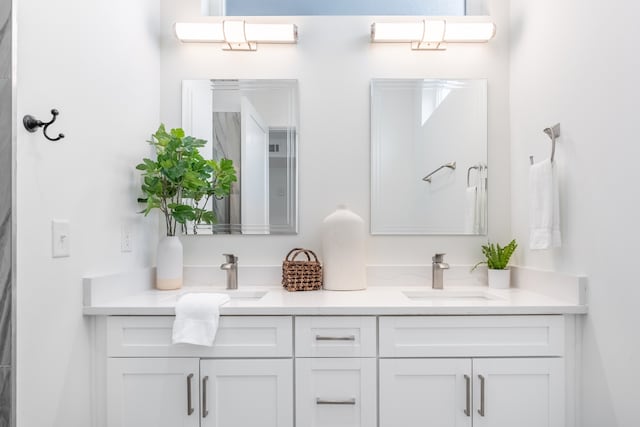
(497, 263)
(179, 182)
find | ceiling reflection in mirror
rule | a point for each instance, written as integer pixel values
(254, 123)
(428, 156)
(341, 7)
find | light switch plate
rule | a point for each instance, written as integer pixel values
(60, 238)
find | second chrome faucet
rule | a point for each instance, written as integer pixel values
(231, 267)
(437, 268)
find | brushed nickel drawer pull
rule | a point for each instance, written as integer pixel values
(344, 338)
(481, 410)
(190, 409)
(467, 410)
(205, 411)
(320, 401)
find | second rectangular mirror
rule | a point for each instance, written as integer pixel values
(255, 124)
(428, 156)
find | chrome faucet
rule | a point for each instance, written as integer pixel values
(437, 267)
(231, 267)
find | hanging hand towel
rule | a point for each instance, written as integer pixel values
(544, 206)
(481, 201)
(197, 317)
(471, 210)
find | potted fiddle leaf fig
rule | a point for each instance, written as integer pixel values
(179, 183)
(497, 261)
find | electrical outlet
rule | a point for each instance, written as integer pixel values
(126, 238)
(60, 239)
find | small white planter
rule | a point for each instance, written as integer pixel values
(169, 263)
(499, 279)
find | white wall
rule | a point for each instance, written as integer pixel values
(576, 63)
(98, 64)
(334, 63)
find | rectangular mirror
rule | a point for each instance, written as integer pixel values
(341, 7)
(428, 156)
(255, 124)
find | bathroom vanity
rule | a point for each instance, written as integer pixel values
(386, 356)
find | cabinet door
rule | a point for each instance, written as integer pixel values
(336, 392)
(518, 392)
(247, 393)
(425, 392)
(152, 393)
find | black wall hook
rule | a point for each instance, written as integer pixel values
(32, 124)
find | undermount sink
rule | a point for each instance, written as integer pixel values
(455, 295)
(234, 294)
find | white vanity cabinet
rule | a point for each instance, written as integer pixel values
(340, 371)
(336, 378)
(244, 380)
(246, 393)
(472, 371)
(146, 392)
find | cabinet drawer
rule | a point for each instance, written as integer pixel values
(238, 336)
(471, 336)
(322, 336)
(336, 392)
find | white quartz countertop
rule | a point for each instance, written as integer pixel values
(262, 300)
(392, 290)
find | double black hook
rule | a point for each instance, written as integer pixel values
(32, 124)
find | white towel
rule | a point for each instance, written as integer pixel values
(197, 317)
(481, 202)
(471, 210)
(544, 206)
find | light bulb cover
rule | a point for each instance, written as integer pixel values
(238, 35)
(432, 34)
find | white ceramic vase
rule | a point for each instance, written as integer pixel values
(169, 263)
(499, 279)
(343, 251)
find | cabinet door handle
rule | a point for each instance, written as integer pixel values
(344, 338)
(190, 409)
(205, 411)
(320, 401)
(467, 410)
(481, 410)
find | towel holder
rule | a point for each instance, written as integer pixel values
(479, 167)
(552, 132)
(32, 124)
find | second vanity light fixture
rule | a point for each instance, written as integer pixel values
(238, 35)
(432, 34)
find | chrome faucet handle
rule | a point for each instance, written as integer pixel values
(438, 258)
(231, 258)
(231, 267)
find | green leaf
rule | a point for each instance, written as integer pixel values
(176, 133)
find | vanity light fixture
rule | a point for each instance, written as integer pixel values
(432, 34)
(238, 35)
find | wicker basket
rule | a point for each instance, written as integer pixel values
(301, 275)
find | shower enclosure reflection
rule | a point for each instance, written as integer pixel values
(254, 123)
(428, 156)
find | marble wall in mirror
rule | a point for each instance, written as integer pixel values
(428, 156)
(255, 124)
